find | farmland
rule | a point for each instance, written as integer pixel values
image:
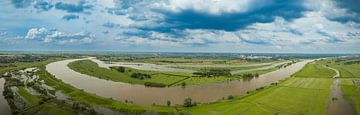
(305, 92)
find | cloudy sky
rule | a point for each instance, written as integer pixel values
(324, 26)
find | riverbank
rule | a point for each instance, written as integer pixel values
(144, 95)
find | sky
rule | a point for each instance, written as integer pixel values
(247, 26)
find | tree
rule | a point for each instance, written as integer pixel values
(121, 69)
(183, 84)
(188, 102)
(168, 103)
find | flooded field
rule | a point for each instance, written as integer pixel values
(4, 107)
(141, 66)
(148, 95)
(337, 103)
(261, 68)
(169, 68)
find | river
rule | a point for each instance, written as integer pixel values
(147, 95)
(337, 105)
(4, 107)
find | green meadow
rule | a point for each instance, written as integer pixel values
(168, 78)
(315, 70)
(91, 68)
(351, 92)
(305, 93)
(306, 96)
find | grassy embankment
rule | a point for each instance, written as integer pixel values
(73, 93)
(168, 78)
(301, 94)
(204, 80)
(91, 68)
(97, 101)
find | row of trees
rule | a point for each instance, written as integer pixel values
(352, 62)
(249, 76)
(212, 73)
(140, 75)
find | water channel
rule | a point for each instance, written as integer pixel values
(147, 95)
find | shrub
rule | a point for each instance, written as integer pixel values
(153, 84)
(188, 103)
(183, 84)
(212, 73)
(121, 69)
(231, 97)
(140, 75)
(168, 103)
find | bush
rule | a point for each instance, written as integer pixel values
(213, 72)
(168, 103)
(121, 69)
(183, 84)
(153, 84)
(188, 103)
(231, 97)
(140, 75)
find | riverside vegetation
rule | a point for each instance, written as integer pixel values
(35, 91)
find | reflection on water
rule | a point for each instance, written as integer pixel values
(148, 95)
(4, 107)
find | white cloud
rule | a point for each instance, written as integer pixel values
(52, 35)
(212, 6)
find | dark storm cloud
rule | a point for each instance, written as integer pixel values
(45, 6)
(70, 17)
(73, 8)
(191, 19)
(353, 7)
(21, 3)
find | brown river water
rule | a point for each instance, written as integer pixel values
(337, 105)
(4, 107)
(140, 94)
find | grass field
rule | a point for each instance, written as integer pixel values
(204, 80)
(91, 68)
(305, 93)
(294, 96)
(348, 71)
(94, 100)
(351, 92)
(31, 99)
(315, 70)
(169, 78)
(45, 108)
